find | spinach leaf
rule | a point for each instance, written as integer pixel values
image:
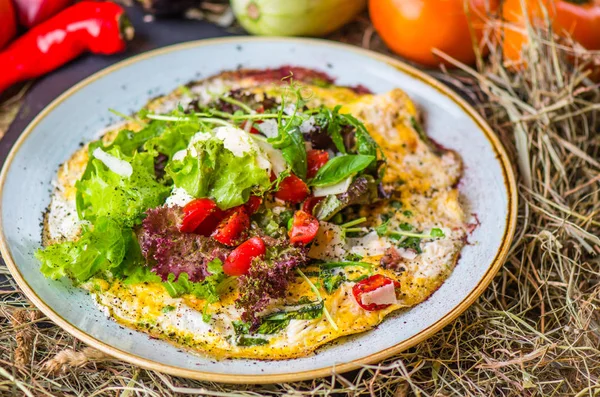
(331, 281)
(340, 168)
(243, 340)
(308, 312)
(274, 323)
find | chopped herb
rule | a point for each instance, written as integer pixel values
(206, 316)
(354, 222)
(168, 309)
(316, 292)
(332, 265)
(396, 204)
(331, 281)
(407, 213)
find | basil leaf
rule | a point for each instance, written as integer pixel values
(340, 168)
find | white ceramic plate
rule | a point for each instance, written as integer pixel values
(77, 115)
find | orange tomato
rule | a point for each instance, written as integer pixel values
(412, 28)
(579, 19)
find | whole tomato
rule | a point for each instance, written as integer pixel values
(412, 28)
(8, 23)
(579, 19)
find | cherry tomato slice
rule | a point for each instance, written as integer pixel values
(232, 227)
(310, 203)
(253, 130)
(253, 204)
(195, 212)
(239, 260)
(315, 159)
(304, 228)
(369, 284)
(292, 189)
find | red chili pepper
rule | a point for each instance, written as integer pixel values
(315, 159)
(8, 25)
(292, 189)
(253, 204)
(239, 260)
(310, 203)
(33, 12)
(195, 213)
(369, 284)
(98, 27)
(231, 229)
(304, 228)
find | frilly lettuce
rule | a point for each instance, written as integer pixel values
(103, 247)
(211, 170)
(103, 193)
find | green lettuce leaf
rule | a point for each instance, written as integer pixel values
(103, 193)
(206, 289)
(174, 138)
(105, 246)
(217, 173)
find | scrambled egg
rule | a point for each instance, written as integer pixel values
(424, 184)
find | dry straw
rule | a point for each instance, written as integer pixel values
(534, 332)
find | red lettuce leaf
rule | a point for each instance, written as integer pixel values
(169, 251)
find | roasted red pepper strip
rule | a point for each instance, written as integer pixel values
(233, 227)
(8, 25)
(239, 260)
(370, 284)
(97, 27)
(304, 228)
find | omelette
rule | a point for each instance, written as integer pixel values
(258, 214)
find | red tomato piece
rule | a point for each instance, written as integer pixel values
(253, 130)
(369, 284)
(304, 228)
(209, 225)
(253, 204)
(310, 203)
(230, 230)
(239, 260)
(292, 189)
(195, 212)
(315, 159)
